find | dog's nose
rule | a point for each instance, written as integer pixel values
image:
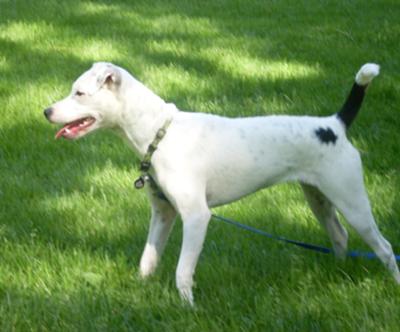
(48, 112)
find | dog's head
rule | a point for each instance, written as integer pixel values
(91, 103)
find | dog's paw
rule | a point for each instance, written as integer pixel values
(144, 273)
(147, 267)
(186, 294)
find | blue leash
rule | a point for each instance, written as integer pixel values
(324, 250)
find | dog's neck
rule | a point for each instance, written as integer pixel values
(140, 124)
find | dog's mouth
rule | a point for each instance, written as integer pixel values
(76, 128)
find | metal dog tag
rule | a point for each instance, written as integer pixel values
(139, 183)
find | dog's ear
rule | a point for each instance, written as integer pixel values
(110, 78)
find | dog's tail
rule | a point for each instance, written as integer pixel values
(353, 102)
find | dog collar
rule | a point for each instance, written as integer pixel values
(145, 164)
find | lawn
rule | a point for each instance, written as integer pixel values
(72, 227)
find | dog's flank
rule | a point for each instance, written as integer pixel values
(206, 160)
(353, 102)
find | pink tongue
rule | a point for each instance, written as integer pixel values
(63, 131)
(60, 133)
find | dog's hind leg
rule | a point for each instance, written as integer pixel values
(162, 219)
(348, 194)
(359, 215)
(325, 213)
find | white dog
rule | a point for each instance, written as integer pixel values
(193, 162)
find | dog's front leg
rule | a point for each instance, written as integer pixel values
(162, 219)
(195, 224)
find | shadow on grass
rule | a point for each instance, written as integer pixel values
(38, 172)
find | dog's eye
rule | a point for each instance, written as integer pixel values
(79, 93)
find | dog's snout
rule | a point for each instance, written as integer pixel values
(48, 112)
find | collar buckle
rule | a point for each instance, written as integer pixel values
(145, 164)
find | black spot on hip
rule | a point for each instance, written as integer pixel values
(326, 135)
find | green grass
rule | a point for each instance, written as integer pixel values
(72, 227)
